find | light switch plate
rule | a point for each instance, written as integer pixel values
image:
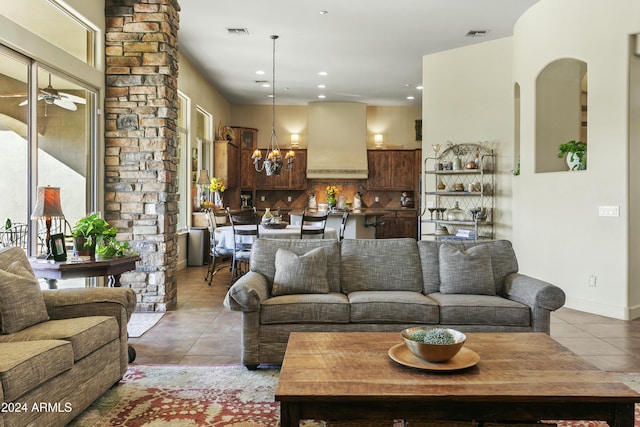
(612, 211)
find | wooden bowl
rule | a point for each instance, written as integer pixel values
(275, 225)
(434, 352)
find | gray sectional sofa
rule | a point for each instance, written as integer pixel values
(383, 285)
(59, 349)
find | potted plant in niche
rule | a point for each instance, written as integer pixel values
(576, 152)
(89, 231)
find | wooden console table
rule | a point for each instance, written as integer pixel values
(111, 267)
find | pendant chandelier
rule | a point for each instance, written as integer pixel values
(273, 164)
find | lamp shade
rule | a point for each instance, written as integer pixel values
(203, 178)
(47, 203)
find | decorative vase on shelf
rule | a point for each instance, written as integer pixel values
(456, 164)
(267, 217)
(455, 214)
(217, 199)
(331, 201)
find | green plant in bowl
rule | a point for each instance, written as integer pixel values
(433, 344)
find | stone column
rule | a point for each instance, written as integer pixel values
(141, 106)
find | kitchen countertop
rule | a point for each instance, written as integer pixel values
(360, 212)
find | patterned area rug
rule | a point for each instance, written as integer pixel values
(218, 395)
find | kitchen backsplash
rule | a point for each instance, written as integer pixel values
(299, 199)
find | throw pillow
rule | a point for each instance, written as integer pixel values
(21, 301)
(304, 274)
(466, 272)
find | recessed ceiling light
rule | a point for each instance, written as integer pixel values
(411, 97)
(266, 84)
(260, 72)
(476, 33)
(323, 12)
(322, 73)
(321, 96)
(419, 87)
(321, 86)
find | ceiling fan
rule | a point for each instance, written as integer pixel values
(53, 96)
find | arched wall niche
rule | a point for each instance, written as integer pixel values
(561, 108)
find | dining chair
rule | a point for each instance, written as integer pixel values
(16, 235)
(343, 224)
(218, 255)
(245, 224)
(313, 225)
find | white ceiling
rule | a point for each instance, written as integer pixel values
(371, 49)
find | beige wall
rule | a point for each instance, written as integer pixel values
(194, 86)
(557, 232)
(468, 97)
(395, 123)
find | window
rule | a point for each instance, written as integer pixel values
(51, 21)
(50, 141)
(184, 169)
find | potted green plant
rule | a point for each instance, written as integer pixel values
(89, 231)
(576, 152)
(111, 248)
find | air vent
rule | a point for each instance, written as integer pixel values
(238, 31)
(476, 33)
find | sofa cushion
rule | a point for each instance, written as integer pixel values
(86, 334)
(263, 257)
(459, 309)
(503, 261)
(392, 307)
(300, 274)
(306, 308)
(380, 265)
(466, 272)
(28, 364)
(21, 302)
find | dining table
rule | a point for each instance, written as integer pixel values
(224, 235)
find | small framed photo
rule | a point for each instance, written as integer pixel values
(58, 249)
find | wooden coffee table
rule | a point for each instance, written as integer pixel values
(522, 377)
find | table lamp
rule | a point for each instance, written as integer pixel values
(47, 207)
(203, 181)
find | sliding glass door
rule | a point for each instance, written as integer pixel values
(47, 138)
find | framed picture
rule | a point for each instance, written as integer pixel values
(58, 249)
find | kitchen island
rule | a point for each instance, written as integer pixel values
(360, 224)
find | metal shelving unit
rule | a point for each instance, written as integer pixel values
(471, 187)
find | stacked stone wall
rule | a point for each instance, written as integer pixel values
(141, 107)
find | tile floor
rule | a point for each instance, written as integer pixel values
(201, 331)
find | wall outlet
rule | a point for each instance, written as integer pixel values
(376, 199)
(288, 198)
(262, 198)
(592, 280)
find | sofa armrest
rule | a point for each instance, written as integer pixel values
(247, 293)
(78, 302)
(533, 292)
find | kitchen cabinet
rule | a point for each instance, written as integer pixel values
(407, 224)
(245, 138)
(466, 188)
(391, 170)
(248, 173)
(398, 224)
(226, 163)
